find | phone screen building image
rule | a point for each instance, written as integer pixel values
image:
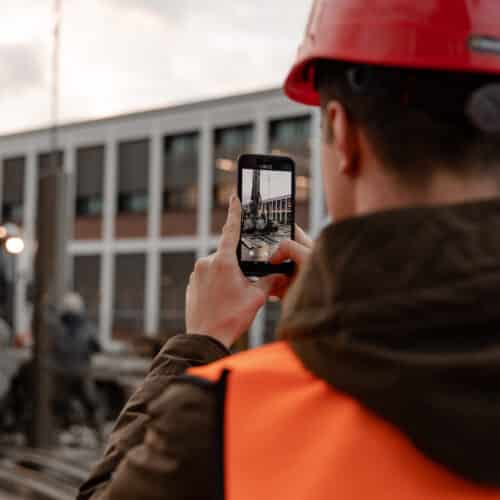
(267, 212)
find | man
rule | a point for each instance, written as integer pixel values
(73, 343)
(386, 384)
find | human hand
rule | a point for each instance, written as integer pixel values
(220, 301)
(298, 251)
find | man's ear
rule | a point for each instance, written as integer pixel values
(345, 137)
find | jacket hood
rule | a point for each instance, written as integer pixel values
(401, 310)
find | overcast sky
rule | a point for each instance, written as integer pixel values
(126, 55)
(272, 184)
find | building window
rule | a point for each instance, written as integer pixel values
(133, 180)
(230, 143)
(180, 184)
(89, 192)
(86, 282)
(45, 160)
(175, 271)
(13, 190)
(89, 179)
(130, 272)
(291, 137)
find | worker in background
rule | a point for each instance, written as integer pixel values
(73, 343)
(386, 381)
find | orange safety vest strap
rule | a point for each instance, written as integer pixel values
(289, 435)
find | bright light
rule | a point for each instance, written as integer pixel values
(3, 232)
(14, 245)
(226, 164)
(302, 182)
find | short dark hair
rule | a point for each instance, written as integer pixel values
(414, 119)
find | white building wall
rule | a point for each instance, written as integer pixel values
(259, 109)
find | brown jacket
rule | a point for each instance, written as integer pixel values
(400, 310)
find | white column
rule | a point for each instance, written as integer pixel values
(70, 171)
(257, 330)
(261, 134)
(110, 182)
(155, 185)
(205, 183)
(256, 335)
(316, 194)
(107, 298)
(151, 319)
(26, 261)
(107, 258)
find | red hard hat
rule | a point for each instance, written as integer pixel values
(454, 35)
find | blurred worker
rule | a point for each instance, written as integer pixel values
(387, 381)
(74, 341)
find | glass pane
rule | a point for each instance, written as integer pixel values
(89, 171)
(130, 272)
(291, 137)
(133, 203)
(230, 143)
(45, 159)
(86, 279)
(175, 271)
(132, 189)
(180, 184)
(13, 190)
(89, 206)
(89, 198)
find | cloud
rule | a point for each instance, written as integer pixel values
(163, 8)
(22, 68)
(119, 56)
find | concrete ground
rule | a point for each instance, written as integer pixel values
(258, 247)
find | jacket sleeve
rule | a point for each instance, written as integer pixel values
(129, 440)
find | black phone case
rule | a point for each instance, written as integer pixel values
(280, 163)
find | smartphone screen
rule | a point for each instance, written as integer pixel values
(266, 186)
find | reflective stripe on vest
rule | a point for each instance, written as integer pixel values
(288, 435)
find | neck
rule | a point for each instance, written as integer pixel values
(385, 192)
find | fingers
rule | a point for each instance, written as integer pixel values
(275, 285)
(290, 250)
(267, 283)
(231, 231)
(302, 237)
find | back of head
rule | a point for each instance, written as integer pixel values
(418, 120)
(73, 305)
(421, 79)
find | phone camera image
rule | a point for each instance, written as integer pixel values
(267, 212)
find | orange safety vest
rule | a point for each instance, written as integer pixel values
(288, 435)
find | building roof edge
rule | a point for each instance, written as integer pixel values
(182, 106)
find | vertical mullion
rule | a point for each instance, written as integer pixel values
(107, 258)
(151, 320)
(261, 146)
(205, 180)
(25, 261)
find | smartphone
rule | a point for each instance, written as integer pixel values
(266, 188)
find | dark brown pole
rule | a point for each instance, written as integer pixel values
(44, 273)
(50, 263)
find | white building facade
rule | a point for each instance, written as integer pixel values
(148, 194)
